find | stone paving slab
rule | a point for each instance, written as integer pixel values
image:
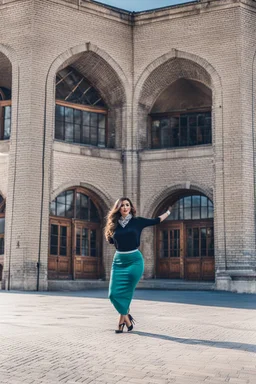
(180, 337)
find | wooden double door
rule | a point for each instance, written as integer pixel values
(74, 250)
(185, 250)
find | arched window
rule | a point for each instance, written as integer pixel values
(5, 113)
(75, 236)
(181, 116)
(81, 113)
(194, 207)
(2, 224)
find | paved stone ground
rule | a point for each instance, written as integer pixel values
(180, 337)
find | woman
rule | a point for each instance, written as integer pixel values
(123, 229)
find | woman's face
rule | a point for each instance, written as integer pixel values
(125, 208)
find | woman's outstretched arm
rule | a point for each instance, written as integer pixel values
(166, 214)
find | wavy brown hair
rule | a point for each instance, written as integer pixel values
(114, 215)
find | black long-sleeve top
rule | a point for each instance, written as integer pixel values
(128, 238)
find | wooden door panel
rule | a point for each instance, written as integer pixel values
(174, 268)
(64, 265)
(86, 238)
(208, 269)
(59, 261)
(163, 268)
(193, 269)
(170, 251)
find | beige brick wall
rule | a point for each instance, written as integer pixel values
(130, 62)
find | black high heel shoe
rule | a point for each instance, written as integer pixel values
(120, 328)
(132, 320)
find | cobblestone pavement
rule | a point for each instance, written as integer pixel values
(180, 337)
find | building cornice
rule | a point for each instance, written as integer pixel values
(144, 17)
(158, 14)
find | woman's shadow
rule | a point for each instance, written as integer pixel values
(208, 343)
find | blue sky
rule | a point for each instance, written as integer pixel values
(142, 5)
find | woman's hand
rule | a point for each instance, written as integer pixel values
(166, 214)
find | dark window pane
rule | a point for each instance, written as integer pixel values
(195, 242)
(77, 133)
(63, 251)
(196, 201)
(210, 212)
(192, 121)
(187, 213)
(59, 113)
(82, 207)
(189, 242)
(2, 225)
(155, 134)
(86, 118)
(93, 243)
(196, 213)
(54, 239)
(204, 213)
(1, 246)
(69, 132)
(182, 130)
(102, 121)
(164, 252)
(204, 201)
(7, 129)
(54, 229)
(78, 242)
(85, 242)
(176, 243)
(69, 115)
(203, 242)
(54, 250)
(94, 136)
(187, 202)
(77, 117)
(101, 138)
(86, 135)
(192, 136)
(195, 207)
(94, 216)
(181, 209)
(7, 112)
(70, 204)
(94, 119)
(60, 209)
(59, 130)
(61, 198)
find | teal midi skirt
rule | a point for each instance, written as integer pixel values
(127, 269)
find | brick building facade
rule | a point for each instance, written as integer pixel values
(158, 106)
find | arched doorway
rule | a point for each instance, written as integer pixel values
(75, 236)
(185, 241)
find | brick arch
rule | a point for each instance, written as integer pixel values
(102, 197)
(161, 73)
(106, 76)
(172, 192)
(98, 63)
